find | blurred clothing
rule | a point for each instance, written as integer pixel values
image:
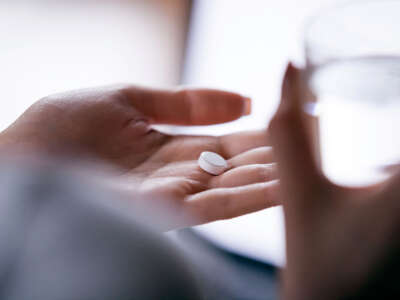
(63, 238)
(60, 240)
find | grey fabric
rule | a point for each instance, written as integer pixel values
(226, 275)
(60, 240)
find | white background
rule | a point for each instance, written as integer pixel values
(49, 46)
(244, 46)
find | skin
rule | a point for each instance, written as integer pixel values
(113, 124)
(337, 237)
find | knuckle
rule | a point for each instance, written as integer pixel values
(48, 104)
(123, 93)
(264, 173)
(270, 196)
(45, 101)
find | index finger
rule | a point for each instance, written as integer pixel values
(298, 169)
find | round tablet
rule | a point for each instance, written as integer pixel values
(212, 163)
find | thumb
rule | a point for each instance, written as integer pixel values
(298, 170)
(188, 106)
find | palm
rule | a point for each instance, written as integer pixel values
(171, 172)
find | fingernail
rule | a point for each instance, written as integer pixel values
(247, 106)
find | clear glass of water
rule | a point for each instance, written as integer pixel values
(353, 71)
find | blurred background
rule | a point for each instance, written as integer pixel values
(50, 46)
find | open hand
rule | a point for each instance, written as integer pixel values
(114, 124)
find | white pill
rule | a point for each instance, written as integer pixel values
(212, 163)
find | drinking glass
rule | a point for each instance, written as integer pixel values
(353, 73)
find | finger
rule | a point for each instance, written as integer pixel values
(298, 170)
(227, 203)
(390, 169)
(261, 155)
(245, 175)
(234, 144)
(188, 106)
(389, 191)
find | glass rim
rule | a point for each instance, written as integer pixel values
(335, 7)
(329, 9)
